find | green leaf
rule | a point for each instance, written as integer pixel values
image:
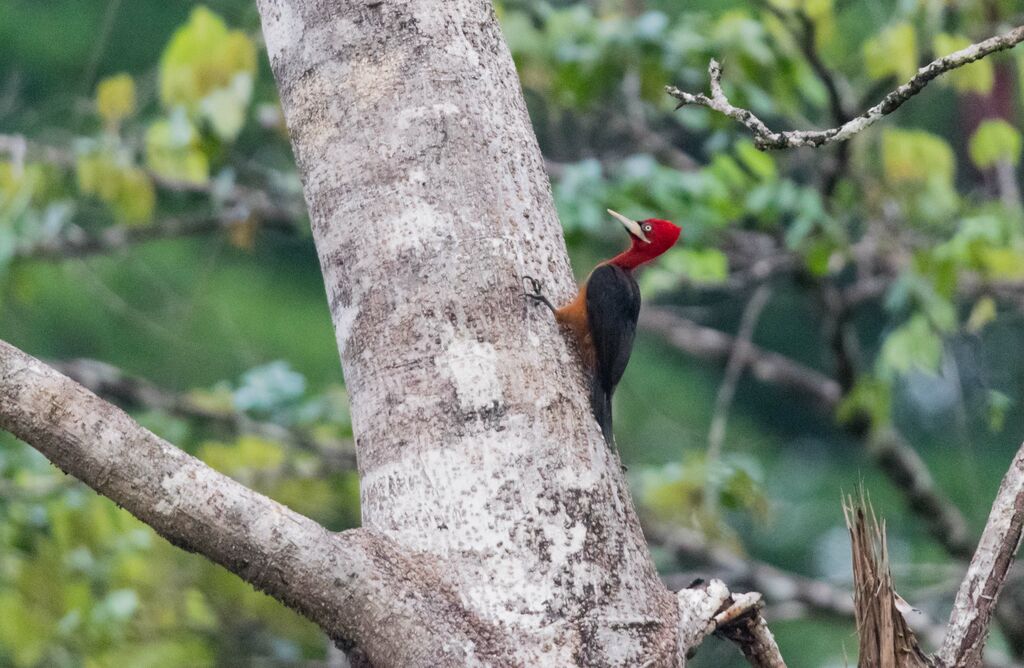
(977, 77)
(993, 141)
(893, 52)
(244, 457)
(997, 405)
(267, 387)
(983, 313)
(817, 256)
(914, 345)
(197, 611)
(136, 199)
(115, 98)
(1002, 263)
(760, 163)
(870, 397)
(916, 157)
(699, 265)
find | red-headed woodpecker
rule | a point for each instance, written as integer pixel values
(602, 318)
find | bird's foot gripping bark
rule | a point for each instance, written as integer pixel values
(535, 291)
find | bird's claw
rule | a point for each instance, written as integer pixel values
(536, 292)
(535, 286)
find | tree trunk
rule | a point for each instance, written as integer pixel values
(476, 444)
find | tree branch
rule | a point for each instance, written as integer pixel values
(890, 452)
(130, 391)
(976, 600)
(768, 367)
(359, 586)
(777, 585)
(767, 139)
(709, 607)
(75, 242)
(751, 633)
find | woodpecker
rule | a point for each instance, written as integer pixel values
(601, 320)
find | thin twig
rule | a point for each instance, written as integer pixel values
(767, 139)
(738, 359)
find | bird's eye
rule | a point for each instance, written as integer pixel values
(647, 228)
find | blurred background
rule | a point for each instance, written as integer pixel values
(835, 317)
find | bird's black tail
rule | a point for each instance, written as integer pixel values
(601, 405)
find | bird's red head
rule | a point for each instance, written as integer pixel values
(650, 238)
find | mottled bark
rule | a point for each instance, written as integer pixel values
(359, 586)
(476, 446)
(976, 600)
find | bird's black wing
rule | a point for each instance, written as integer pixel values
(613, 305)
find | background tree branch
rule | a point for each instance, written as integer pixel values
(767, 139)
(894, 456)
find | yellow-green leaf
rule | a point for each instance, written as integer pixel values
(916, 157)
(914, 345)
(136, 199)
(762, 164)
(115, 98)
(893, 52)
(126, 189)
(978, 77)
(982, 314)
(699, 265)
(247, 455)
(1002, 263)
(203, 56)
(173, 151)
(19, 185)
(995, 140)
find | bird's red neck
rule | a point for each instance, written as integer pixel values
(632, 258)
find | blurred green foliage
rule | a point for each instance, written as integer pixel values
(160, 110)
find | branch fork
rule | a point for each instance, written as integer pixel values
(767, 139)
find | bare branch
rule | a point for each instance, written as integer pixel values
(776, 584)
(768, 367)
(976, 600)
(709, 607)
(77, 243)
(767, 139)
(130, 391)
(750, 631)
(359, 586)
(909, 474)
